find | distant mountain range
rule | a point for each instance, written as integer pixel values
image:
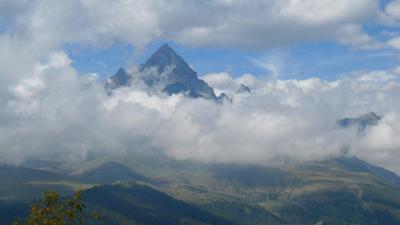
(156, 191)
(167, 72)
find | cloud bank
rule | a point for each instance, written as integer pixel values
(216, 23)
(56, 113)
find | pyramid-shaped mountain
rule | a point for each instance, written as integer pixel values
(168, 72)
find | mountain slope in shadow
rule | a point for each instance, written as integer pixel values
(142, 204)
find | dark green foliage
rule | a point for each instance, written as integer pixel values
(339, 191)
(335, 207)
(52, 211)
(145, 205)
(110, 172)
(245, 214)
(253, 176)
(17, 183)
(11, 211)
(357, 165)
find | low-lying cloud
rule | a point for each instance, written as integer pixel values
(56, 113)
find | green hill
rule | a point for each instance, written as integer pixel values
(342, 190)
(137, 203)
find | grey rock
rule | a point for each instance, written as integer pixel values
(224, 98)
(119, 79)
(169, 72)
(180, 88)
(362, 122)
(243, 89)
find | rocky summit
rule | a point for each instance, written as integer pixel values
(167, 72)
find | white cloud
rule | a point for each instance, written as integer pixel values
(354, 36)
(239, 23)
(224, 82)
(247, 79)
(396, 71)
(271, 64)
(394, 43)
(65, 116)
(390, 16)
(382, 142)
(50, 24)
(221, 82)
(272, 23)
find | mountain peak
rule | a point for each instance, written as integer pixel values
(166, 48)
(174, 74)
(165, 51)
(120, 78)
(243, 88)
(168, 72)
(223, 98)
(163, 57)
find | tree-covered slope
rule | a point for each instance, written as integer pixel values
(142, 204)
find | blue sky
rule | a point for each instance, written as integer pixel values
(326, 60)
(304, 39)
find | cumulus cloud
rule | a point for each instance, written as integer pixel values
(238, 23)
(381, 143)
(390, 15)
(53, 112)
(223, 82)
(394, 43)
(354, 36)
(396, 71)
(270, 23)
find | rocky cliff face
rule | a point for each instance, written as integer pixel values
(168, 72)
